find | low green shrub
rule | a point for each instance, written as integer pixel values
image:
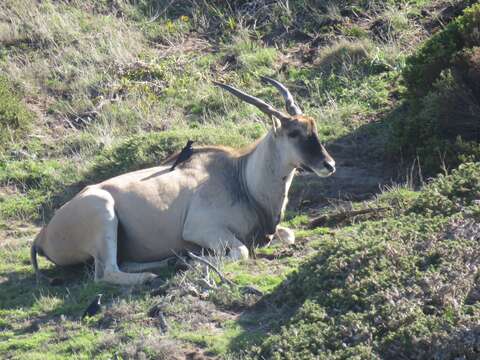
(375, 290)
(448, 195)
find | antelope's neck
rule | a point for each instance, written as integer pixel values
(267, 176)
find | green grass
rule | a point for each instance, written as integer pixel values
(215, 342)
(92, 89)
(15, 118)
(37, 185)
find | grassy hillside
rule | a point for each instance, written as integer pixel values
(91, 89)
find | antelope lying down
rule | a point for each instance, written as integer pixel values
(220, 199)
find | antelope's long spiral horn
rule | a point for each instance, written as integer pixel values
(292, 108)
(262, 105)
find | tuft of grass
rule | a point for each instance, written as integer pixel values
(248, 53)
(343, 55)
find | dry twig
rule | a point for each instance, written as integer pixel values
(213, 267)
(339, 217)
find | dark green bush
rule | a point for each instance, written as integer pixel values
(441, 124)
(426, 65)
(442, 127)
(467, 67)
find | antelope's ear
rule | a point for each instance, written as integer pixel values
(284, 121)
(276, 124)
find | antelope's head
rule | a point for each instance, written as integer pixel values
(295, 133)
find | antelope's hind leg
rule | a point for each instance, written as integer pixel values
(104, 249)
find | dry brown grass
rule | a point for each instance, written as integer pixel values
(71, 56)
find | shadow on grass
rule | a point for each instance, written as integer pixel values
(363, 167)
(22, 296)
(315, 281)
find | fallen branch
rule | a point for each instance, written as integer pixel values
(213, 267)
(193, 268)
(187, 264)
(339, 217)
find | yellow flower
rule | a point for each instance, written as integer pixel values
(184, 18)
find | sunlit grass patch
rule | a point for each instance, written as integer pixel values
(216, 342)
(33, 186)
(15, 118)
(26, 343)
(257, 273)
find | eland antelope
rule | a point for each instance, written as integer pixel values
(219, 199)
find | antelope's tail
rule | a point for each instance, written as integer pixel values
(33, 257)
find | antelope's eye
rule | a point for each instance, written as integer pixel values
(294, 134)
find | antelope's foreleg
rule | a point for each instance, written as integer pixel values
(219, 240)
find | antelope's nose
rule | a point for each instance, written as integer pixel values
(329, 165)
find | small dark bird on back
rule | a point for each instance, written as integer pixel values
(184, 155)
(94, 307)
